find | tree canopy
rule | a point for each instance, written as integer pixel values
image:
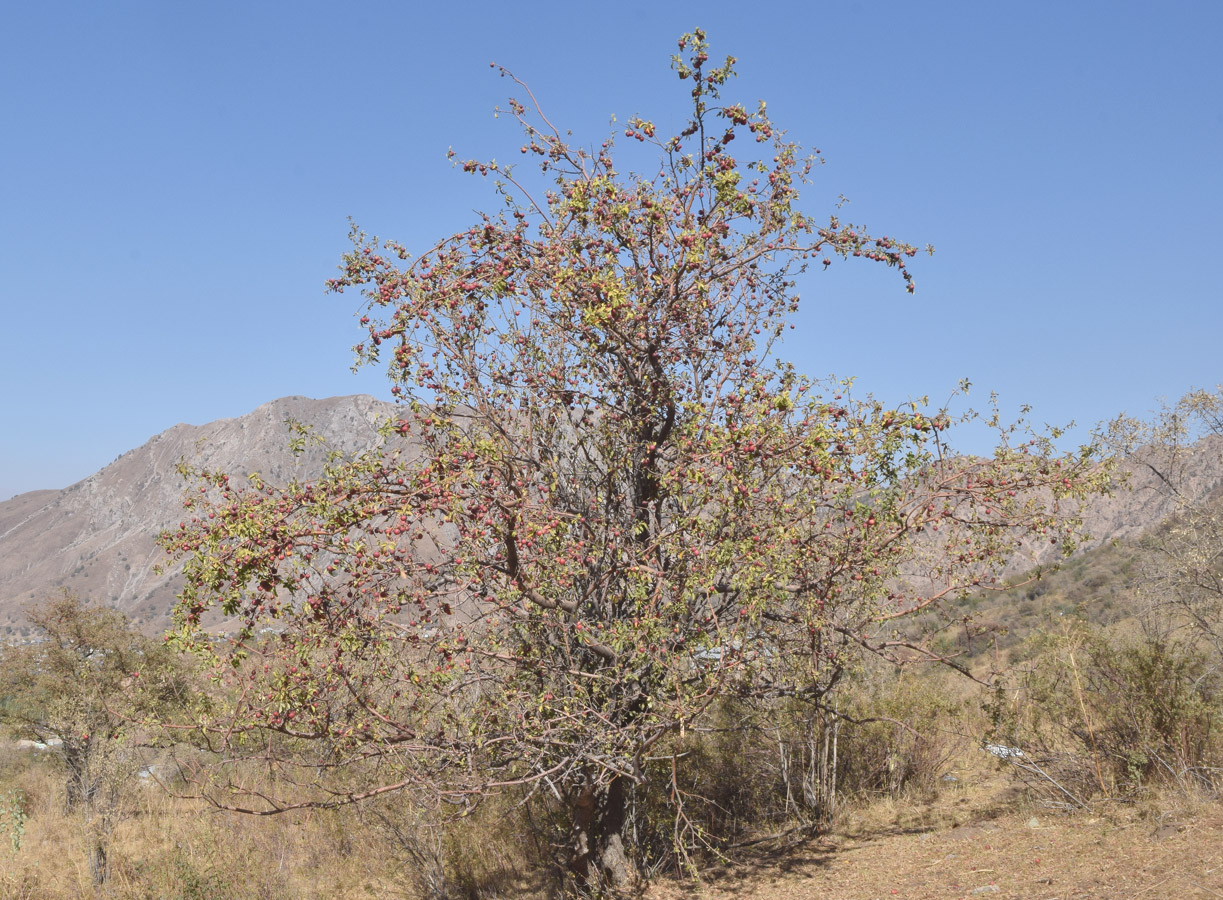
(608, 502)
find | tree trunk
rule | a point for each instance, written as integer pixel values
(598, 860)
(97, 863)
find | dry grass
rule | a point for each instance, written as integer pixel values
(977, 836)
(172, 849)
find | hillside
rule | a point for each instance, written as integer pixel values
(97, 537)
(1141, 500)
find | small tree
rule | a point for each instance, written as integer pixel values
(81, 689)
(608, 502)
(1180, 451)
(1181, 580)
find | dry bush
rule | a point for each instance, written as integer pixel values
(705, 791)
(903, 734)
(497, 852)
(1097, 714)
(1160, 708)
(495, 849)
(780, 774)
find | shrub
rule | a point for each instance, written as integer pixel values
(1114, 714)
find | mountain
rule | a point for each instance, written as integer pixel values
(1142, 500)
(98, 537)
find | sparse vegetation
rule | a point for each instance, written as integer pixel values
(1128, 725)
(607, 516)
(622, 603)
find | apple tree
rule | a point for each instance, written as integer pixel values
(608, 501)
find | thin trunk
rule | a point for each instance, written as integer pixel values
(785, 757)
(832, 775)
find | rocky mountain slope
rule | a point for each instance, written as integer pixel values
(98, 537)
(1142, 500)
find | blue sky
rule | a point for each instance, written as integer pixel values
(178, 179)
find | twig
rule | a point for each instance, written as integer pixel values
(1149, 887)
(1206, 889)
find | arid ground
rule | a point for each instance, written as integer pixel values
(968, 844)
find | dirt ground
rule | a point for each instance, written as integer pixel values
(988, 846)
